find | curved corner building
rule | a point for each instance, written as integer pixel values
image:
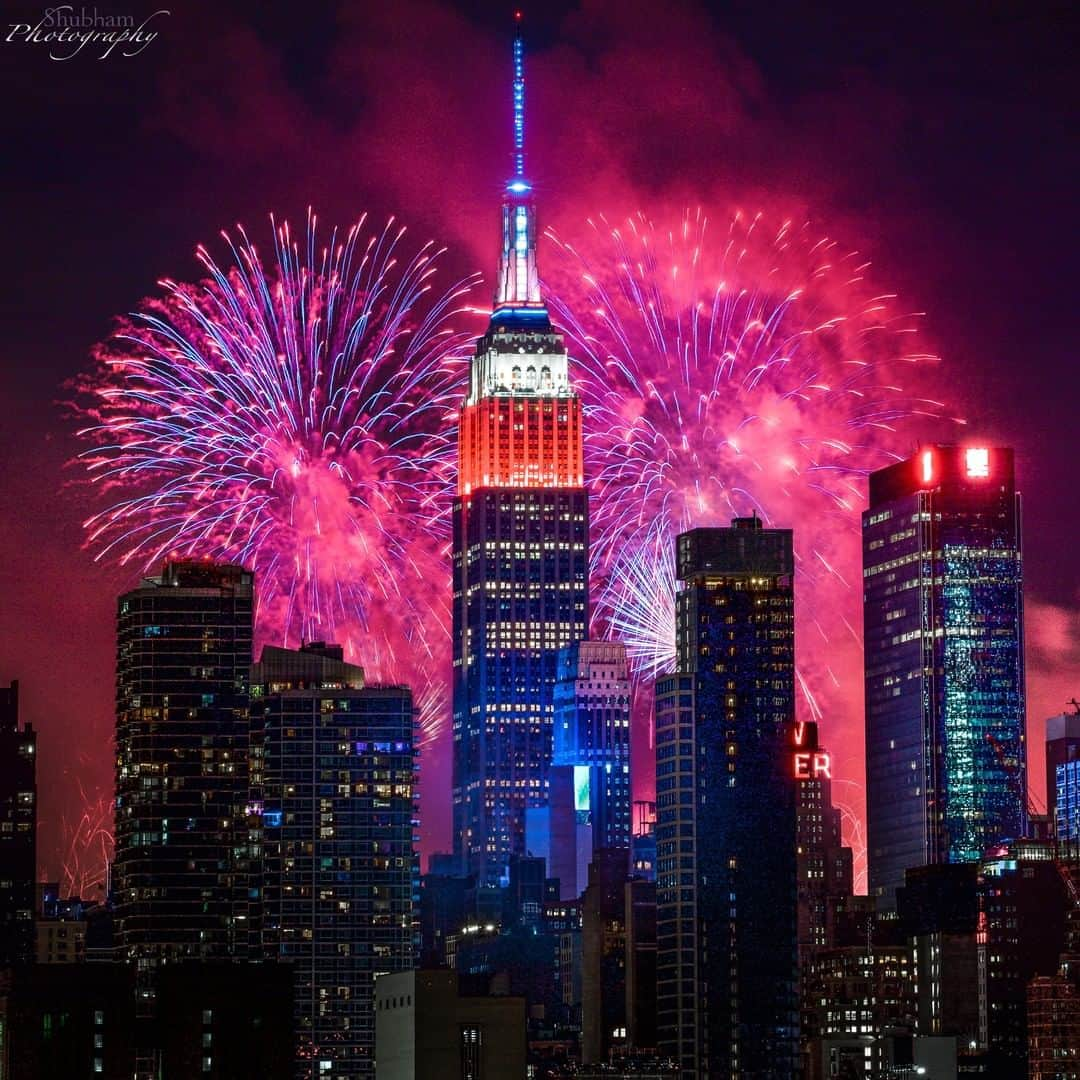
(520, 547)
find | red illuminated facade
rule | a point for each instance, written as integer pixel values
(516, 441)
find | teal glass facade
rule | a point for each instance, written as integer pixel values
(943, 633)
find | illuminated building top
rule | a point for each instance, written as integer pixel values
(521, 422)
(944, 468)
(519, 285)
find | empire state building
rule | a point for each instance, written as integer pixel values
(520, 547)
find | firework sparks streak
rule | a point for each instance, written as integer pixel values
(295, 416)
(298, 416)
(729, 371)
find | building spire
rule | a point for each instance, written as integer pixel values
(519, 283)
(518, 179)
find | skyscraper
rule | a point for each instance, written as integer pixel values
(333, 785)
(18, 830)
(1062, 745)
(592, 735)
(520, 546)
(183, 656)
(943, 622)
(824, 864)
(727, 1000)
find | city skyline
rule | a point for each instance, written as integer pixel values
(44, 722)
(643, 662)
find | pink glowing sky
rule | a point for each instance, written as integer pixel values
(938, 148)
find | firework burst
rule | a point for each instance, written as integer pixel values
(728, 371)
(295, 416)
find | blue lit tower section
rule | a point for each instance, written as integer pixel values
(592, 736)
(520, 546)
(726, 874)
(943, 623)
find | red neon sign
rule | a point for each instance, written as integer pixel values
(811, 766)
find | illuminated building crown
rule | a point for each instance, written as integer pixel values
(521, 422)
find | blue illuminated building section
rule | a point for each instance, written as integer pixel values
(1067, 805)
(592, 736)
(943, 625)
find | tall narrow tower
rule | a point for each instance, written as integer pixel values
(18, 830)
(183, 654)
(520, 555)
(726, 872)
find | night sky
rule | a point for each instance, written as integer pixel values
(938, 139)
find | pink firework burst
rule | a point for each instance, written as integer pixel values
(296, 416)
(730, 369)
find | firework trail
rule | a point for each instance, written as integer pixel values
(295, 416)
(729, 370)
(88, 848)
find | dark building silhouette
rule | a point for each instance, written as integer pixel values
(18, 830)
(943, 630)
(528, 891)
(641, 966)
(68, 1020)
(427, 1025)
(603, 957)
(938, 909)
(1023, 911)
(520, 548)
(824, 864)
(442, 912)
(727, 1000)
(183, 656)
(333, 776)
(223, 1020)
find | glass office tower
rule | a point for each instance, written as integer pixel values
(944, 641)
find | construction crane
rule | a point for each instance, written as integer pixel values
(1063, 866)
